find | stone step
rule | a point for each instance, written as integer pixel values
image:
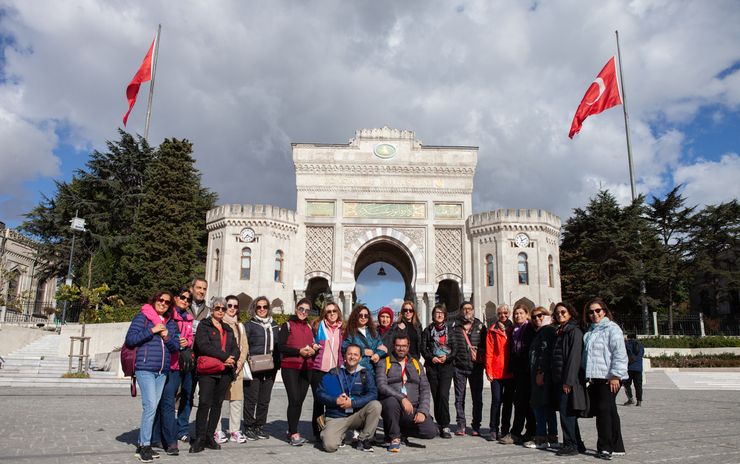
(59, 382)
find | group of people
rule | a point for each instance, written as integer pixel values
(538, 364)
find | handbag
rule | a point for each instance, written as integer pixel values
(186, 357)
(440, 349)
(475, 355)
(246, 372)
(128, 362)
(210, 365)
(262, 362)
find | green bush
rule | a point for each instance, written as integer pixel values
(719, 360)
(689, 342)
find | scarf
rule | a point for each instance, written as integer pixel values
(517, 335)
(231, 320)
(329, 352)
(592, 329)
(151, 314)
(439, 333)
(264, 322)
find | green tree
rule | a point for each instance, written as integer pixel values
(162, 253)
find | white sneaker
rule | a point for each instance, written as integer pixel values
(220, 437)
(237, 437)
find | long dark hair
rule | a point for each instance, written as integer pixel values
(153, 300)
(569, 307)
(353, 322)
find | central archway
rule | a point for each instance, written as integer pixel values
(403, 243)
(395, 282)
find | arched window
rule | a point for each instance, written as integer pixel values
(246, 263)
(523, 269)
(551, 270)
(278, 266)
(218, 259)
(489, 270)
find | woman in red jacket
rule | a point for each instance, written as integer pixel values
(296, 343)
(502, 381)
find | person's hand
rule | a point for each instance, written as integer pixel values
(567, 389)
(382, 347)
(164, 333)
(419, 418)
(315, 347)
(375, 358)
(442, 359)
(239, 365)
(368, 352)
(489, 377)
(229, 362)
(183, 342)
(540, 379)
(311, 352)
(408, 408)
(344, 401)
(614, 384)
(158, 328)
(435, 360)
(304, 352)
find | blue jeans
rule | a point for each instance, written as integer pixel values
(186, 403)
(547, 421)
(165, 421)
(151, 385)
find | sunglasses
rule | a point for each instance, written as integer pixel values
(590, 312)
(561, 313)
(183, 297)
(331, 311)
(301, 309)
(262, 307)
(408, 310)
(218, 308)
(235, 306)
(363, 316)
(165, 302)
(539, 315)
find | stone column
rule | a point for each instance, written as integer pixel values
(347, 303)
(298, 295)
(337, 298)
(422, 308)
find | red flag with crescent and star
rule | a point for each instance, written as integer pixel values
(142, 75)
(601, 95)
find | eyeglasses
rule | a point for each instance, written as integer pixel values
(218, 308)
(436, 313)
(331, 311)
(164, 302)
(363, 316)
(235, 306)
(407, 310)
(590, 312)
(302, 309)
(401, 346)
(183, 297)
(262, 307)
(561, 313)
(467, 308)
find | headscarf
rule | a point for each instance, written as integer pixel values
(389, 312)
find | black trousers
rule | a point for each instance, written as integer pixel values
(522, 406)
(296, 386)
(211, 392)
(636, 377)
(257, 393)
(399, 424)
(318, 407)
(608, 426)
(440, 380)
(502, 397)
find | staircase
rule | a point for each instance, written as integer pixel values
(38, 365)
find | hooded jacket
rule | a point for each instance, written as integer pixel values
(154, 351)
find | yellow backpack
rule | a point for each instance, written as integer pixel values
(388, 365)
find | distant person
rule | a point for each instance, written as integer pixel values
(404, 393)
(635, 352)
(351, 400)
(469, 364)
(198, 308)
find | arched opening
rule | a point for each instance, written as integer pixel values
(490, 313)
(448, 294)
(525, 301)
(244, 302)
(278, 306)
(376, 291)
(318, 291)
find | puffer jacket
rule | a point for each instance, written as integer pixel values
(154, 352)
(477, 336)
(366, 342)
(258, 338)
(184, 323)
(390, 384)
(294, 335)
(497, 352)
(540, 356)
(360, 393)
(604, 354)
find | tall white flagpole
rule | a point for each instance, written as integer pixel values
(151, 86)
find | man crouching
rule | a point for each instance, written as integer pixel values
(405, 395)
(351, 401)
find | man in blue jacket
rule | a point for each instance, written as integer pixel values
(351, 401)
(635, 352)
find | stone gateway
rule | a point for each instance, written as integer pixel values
(384, 197)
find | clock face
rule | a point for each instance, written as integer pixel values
(521, 240)
(247, 235)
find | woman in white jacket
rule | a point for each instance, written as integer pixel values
(604, 360)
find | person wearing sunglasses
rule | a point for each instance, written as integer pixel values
(214, 338)
(439, 350)
(408, 323)
(154, 333)
(235, 394)
(540, 354)
(360, 330)
(298, 347)
(605, 363)
(497, 372)
(262, 336)
(567, 386)
(169, 425)
(328, 335)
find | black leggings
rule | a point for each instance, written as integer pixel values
(296, 386)
(211, 392)
(318, 407)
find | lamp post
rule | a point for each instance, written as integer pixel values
(77, 225)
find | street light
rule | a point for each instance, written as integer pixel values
(77, 225)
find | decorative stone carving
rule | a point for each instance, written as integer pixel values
(351, 234)
(449, 251)
(385, 210)
(416, 234)
(319, 249)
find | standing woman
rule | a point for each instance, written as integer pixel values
(497, 372)
(214, 338)
(385, 322)
(540, 354)
(153, 332)
(522, 334)
(235, 394)
(297, 345)
(408, 323)
(169, 425)
(328, 330)
(605, 362)
(262, 336)
(568, 394)
(360, 330)
(438, 349)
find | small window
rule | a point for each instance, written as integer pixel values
(489, 270)
(278, 266)
(523, 269)
(551, 271)
(246, 263)
(218, 259)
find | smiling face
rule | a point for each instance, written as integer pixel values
(439, 316)
(162, 304)
(408, 313)
(401, 348)
(332, 313)
(502, 314)
(362, 318)
(232, 306)
(537, 318)
(302, 311)
(218, 311)
(384, 320)
(520, 316)
(261, 308)
(468, 312)
(562, 315)
(183, 300)
(352, 357)
(198, 291)
(595, 313)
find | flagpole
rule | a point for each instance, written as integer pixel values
(151, 89)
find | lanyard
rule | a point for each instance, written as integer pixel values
(403, 373)
(349, 385)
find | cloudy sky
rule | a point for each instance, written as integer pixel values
(243, 79)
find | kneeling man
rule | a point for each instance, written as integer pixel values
(404, 394)
(351, 401)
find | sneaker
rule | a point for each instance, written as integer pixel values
(185, 438)
(260, 433)
(537, 443)
(296, 440)
(460, 430)
(250, 434)
(475, 433)
(553, 441)
(492, 437)
(355, 435)
(342, 444)
(155, 455)
(628, 402)
(144, 453)
(364, 445)
(605, 455)
(172, 450)
(567, 450)
(157, 445)
(395, 446)
(618, 453)
(507, 439)
(405, 441)
(639, 402)
(220, 437)
(445, 432)
(237, 437)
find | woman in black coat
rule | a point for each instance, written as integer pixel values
(408, 323)
(216, 340)
(439, 350)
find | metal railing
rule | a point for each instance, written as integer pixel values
(37, 312)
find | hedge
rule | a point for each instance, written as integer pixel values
(719, 360)
(689, 342)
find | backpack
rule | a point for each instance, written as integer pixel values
(388, 365)
(632, 356)
(128, 362)
(363, 376)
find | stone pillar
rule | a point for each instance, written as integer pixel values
(337, 298)
(421, 308)
(347, 303)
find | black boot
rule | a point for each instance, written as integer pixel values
(639, 402)
(197, 446)
(211, 443)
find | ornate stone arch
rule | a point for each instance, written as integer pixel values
(388, 234)
(453, 277)
(313, 274)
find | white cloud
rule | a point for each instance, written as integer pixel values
(395, 304)
(361, 290)
(710, 182)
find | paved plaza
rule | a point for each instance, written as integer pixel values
(99, 425)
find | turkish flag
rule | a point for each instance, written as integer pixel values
(142, 75)
(602, 95)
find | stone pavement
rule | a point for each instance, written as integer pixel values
(78, 425)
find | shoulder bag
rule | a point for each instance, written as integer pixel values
(263, 362)
(210, 365)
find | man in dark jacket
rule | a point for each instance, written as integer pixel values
(404, 395)
(635, 352)
(356, 407)
(198, 308)
(469, 365)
